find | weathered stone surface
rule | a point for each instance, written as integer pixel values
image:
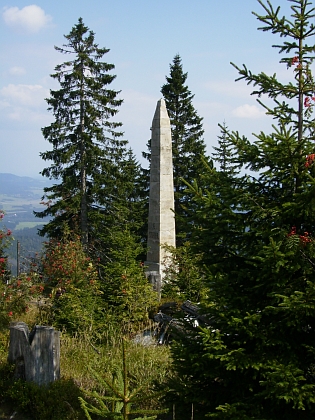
(161, 226)
(36, 354)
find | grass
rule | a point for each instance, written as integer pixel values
(79, 352)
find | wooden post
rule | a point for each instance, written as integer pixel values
(36, 355)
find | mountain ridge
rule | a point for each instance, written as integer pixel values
(22, 186)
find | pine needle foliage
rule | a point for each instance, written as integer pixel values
(183, 277)
(120, 399)
(126, 290)
(255, 229)
(87, 149)
(188, 146)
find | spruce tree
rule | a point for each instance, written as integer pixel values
(86, 147)
(224, 154)
(187, 141)
(188, 144)
(123, 208)
(126, 290)
(255, 357)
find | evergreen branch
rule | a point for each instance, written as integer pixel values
(307, 258)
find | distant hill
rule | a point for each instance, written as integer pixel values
(22, 186)
(19, 197)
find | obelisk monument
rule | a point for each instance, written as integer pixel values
(161, 226)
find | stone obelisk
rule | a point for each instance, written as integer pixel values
(161, 226)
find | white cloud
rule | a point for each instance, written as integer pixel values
(27, 116)
(27, 95)
(24, 102)
(31, 18)
(17, 71)
(248, 111)
(4, 104)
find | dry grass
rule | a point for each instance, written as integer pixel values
(146, 364)
(79, 354)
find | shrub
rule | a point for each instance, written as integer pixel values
(72, 280)
(15, 297)
(58, 401)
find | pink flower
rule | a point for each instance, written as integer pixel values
(307, 102)
(294, 60)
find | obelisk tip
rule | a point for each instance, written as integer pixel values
(160, 112)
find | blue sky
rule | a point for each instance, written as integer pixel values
(143, 37)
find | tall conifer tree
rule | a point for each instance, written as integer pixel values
(124, 208)
(224, 154)
(255, 360)
(187, 141)
(87, 150)
(187, 138)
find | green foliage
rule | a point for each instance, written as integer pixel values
(225, 154)
(121, 398)
(58, 401)
(183, 276)
(15, 297)
(125, 287)
(88, 156)
(254, 359)
(186, 125)
(125, 209)
(78, 356)
(5, 239)
(149, 367)
(72, 282)
(188, 146)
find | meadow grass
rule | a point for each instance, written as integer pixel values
(80, 355)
